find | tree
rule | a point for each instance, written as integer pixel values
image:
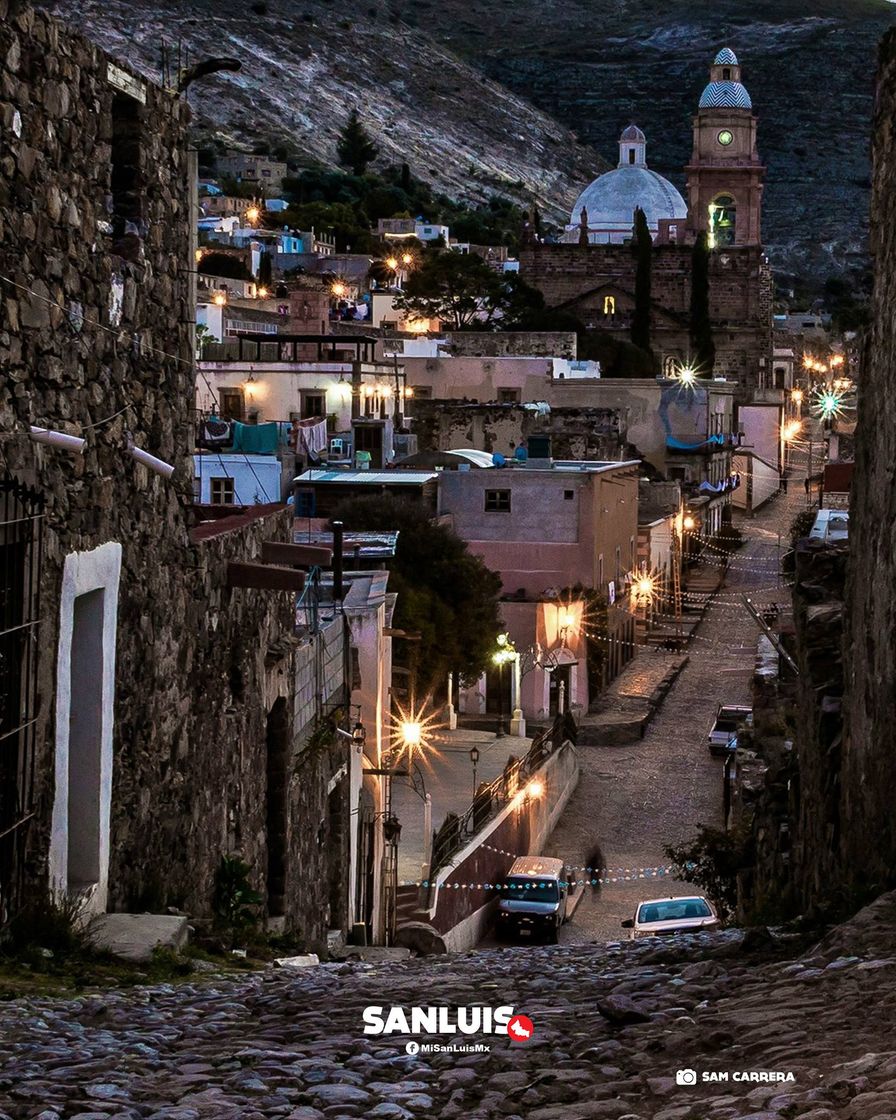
(460, 289)
(701, 326)
(444, 591)
(643, 249)
(355, 147)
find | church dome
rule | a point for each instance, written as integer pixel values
(726, 57)
(725, 95)
(633, 133)
(611, 200)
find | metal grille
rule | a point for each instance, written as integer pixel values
(21, 524)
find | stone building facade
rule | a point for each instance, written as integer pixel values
(869, 758)
(149, 713)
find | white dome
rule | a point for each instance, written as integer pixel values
(611, 201)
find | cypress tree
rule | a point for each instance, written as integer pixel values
(644, 254)
(701, 328)
(355, 148)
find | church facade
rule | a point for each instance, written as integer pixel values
(591, 272)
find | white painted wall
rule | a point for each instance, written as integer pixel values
(256, 478)
(85, 572)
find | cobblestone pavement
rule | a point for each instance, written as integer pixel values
(612, 1025)
(633, 799)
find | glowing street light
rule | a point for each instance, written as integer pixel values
(219, 299)
(688, 522)
(263, 293)
(797, 396)
(411, 732)
(535, 788)
(339, 289)
(252, 215)
(392, 263)
(407, 259)
(643, 588)
(792, 429)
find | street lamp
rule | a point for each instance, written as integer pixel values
(474, 758)
(505, 652)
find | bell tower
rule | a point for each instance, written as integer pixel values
(725, 174)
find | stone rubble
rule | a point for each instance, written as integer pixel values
(291, 1045)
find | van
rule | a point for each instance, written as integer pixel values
(830, 525)
(532, 898)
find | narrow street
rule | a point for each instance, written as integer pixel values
(631, 800)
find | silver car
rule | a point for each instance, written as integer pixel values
(672, 915)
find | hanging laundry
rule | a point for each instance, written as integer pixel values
(257, 439)
(214, 432)
(309, 437)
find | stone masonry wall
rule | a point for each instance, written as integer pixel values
(95, 339)
(869, 756)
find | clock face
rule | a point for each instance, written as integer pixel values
(725, 137)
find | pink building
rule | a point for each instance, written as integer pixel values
(563, 536)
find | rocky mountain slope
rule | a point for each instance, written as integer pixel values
(308, 63)
(451, 87)
(809, 69)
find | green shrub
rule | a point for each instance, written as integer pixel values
(712, 861)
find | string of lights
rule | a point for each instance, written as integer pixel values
(624, 875)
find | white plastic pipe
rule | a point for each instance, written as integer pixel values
(150, 461)
(58, 439)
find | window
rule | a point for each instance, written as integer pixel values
(609, 305)
(127, 200)
(313, 404)
(631, 155)
(497, 501)
(508, 396)
(21, 520)
(618, 563)
(222, 492)
(422, 392)
(722, 220)
(231, 404)
(568, 495)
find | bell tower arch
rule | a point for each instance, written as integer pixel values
(725, 175)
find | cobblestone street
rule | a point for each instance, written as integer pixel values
(612, 1025)
(633, 799)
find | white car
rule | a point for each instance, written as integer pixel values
(688, 914)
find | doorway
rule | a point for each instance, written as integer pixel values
(277, 774)
(560, 675)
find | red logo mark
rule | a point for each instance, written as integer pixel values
(520, 1028)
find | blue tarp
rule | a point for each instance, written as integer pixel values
(680, 445)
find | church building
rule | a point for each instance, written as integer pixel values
(591, 272)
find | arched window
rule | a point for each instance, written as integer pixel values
(722, 221)
(609, 305)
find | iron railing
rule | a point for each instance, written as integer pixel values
(21, 553)
(491, 797)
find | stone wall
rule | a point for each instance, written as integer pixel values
(522, 344)
(96, 301)
(869, 753)
(579, 278)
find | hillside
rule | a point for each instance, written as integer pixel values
(450, 87)
(809, 69)
(307, 64)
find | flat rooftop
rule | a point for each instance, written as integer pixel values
(369, 478)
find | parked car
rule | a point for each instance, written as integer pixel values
(657, 916)
(729, 718)
(830, 525)
(532, 898)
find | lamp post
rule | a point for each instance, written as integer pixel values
(474, 758)
(505, 652)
